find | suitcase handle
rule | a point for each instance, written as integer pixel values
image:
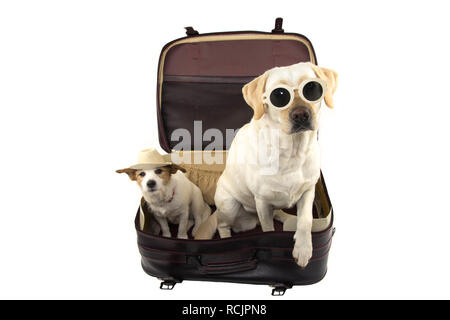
(190, 31)
(278, 26)
(228, 267)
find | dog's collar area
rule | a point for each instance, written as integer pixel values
(173, 195)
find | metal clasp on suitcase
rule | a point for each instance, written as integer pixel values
(168, 284)
(280, 289)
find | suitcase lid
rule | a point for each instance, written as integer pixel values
(200, 80)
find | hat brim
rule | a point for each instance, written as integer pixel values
(149, 166)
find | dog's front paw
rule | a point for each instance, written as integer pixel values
(182, 236)
(302, 252)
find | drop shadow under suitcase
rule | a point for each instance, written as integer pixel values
(200, 78)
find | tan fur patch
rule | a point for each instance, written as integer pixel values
(165, 174)
(253, 92)
(130, 172)
(139, 178)
(285, 83)
(167, 171)
(331, 77)
(175, 167)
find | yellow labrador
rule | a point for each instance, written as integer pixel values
(273, 162)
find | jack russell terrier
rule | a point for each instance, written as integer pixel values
(274, 161)
(170, 196)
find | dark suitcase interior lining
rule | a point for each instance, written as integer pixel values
(244, 57)
(185, 101)
(197, 75)
(209, 79)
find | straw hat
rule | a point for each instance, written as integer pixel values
(150, 159)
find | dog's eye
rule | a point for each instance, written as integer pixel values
(280, 97)
(312, 91)
(158, 171)
(142, 174)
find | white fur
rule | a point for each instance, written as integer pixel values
(186, 208)
(248, 191)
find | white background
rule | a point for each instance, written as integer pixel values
(77, 101)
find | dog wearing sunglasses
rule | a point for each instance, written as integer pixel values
(273, 162)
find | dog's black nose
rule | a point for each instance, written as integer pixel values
(151, 183)
(301, 116)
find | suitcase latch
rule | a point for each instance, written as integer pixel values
(279, 289)
(167, 285)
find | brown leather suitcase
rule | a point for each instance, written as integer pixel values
(200, 78)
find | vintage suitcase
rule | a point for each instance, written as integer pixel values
(200, 78)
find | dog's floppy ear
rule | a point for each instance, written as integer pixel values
(130, 172)
(330, 77)
(174, 167)
(253, 92)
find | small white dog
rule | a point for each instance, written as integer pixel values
(274, 162)
(170, 196)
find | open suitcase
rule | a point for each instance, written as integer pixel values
(200, 78)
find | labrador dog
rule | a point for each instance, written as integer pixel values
(274, 161)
